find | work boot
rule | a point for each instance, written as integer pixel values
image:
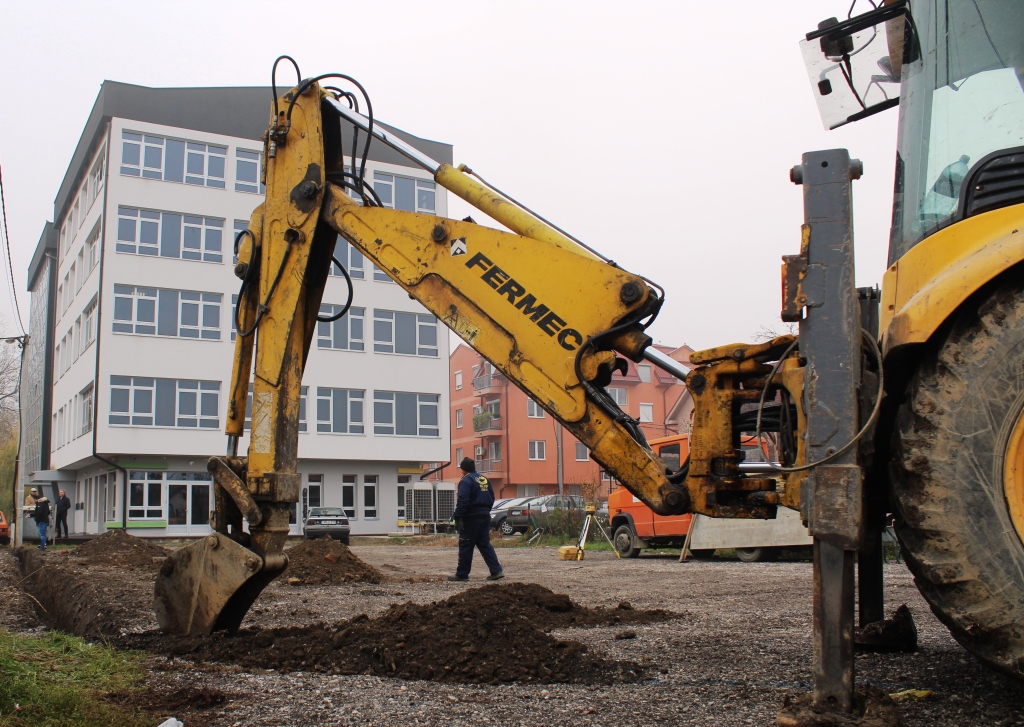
(458, 578)
(496, 576)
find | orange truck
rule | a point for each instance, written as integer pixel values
(634, 526)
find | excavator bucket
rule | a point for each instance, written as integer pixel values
(208, 586)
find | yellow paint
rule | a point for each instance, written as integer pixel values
(514, 218)
(930, 282)
(1013, 476)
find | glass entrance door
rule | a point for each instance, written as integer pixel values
(188, 503)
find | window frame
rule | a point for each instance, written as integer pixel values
(148, 482)
(371, 486)
(537, 450)
(387, 406)
(386, 333)
(355, 406)
(533, 409)
(586, 452)
(152, 392)
(352, 324)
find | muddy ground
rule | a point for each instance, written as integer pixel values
(740, 643)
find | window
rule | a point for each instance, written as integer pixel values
(582, 454)
(247, 172)
(533, 410)
(155, 311)
(134, 309)
(403, 482)
(92, 257)
(339, 411)
(145, 495)
(458, 456)
(145, 402)
(494, 451)
(96, 176)
(370, 497)
(537, 449)
(405, 193)
(380, 276)
(80, 266)
(89, 325)
(412, 334)
(85, 410)
(169, 234)
(644, 372)
(172, 160)
(646, 413)
(239, 227)
(348, 495)
(618, 395)
(346, 333)
(405, 414)
(458, 418)
(303, 393)
(458, 380)
(234, 316)
(77, 342)
(349, 256)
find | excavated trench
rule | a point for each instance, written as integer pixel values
(494, 634)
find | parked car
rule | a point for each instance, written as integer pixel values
(5, 531)
(323, 521)
(499, 513)
(540, 508)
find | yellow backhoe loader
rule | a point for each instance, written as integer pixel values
(909, 401)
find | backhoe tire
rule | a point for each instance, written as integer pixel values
(757, 555)
(623, 540)
(951, 442)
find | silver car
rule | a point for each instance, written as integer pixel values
(323, 521)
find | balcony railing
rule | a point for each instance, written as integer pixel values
(486, 422)
(486, 381)
(489, 465)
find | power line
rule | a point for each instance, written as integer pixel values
(7, 243)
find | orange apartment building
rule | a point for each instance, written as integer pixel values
(515, 442)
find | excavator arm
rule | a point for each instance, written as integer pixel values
(550, 314)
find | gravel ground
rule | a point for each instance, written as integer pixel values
(741, 643)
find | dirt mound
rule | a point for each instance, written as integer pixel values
(115, 547)
(326, 561)
(493, 634)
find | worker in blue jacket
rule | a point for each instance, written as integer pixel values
(473, 518)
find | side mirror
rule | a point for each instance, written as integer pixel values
(854, 66)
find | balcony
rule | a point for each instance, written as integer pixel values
(486, 422)
(491, 466)
(487, 381)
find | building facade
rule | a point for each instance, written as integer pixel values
(518, 445)
(143, 325)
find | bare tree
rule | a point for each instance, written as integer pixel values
(768, 331)
(10, 380)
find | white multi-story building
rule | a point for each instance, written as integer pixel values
(143, 335)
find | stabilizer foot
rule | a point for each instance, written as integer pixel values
(873, 708)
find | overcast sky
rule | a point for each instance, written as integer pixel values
(660, 133)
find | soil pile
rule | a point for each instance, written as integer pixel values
(326, 561)
(492, 634)
(116, 547)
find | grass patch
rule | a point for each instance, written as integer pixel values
(58, 680)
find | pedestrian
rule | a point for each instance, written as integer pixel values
(41, 515)
(473, 519)
(63, 505)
